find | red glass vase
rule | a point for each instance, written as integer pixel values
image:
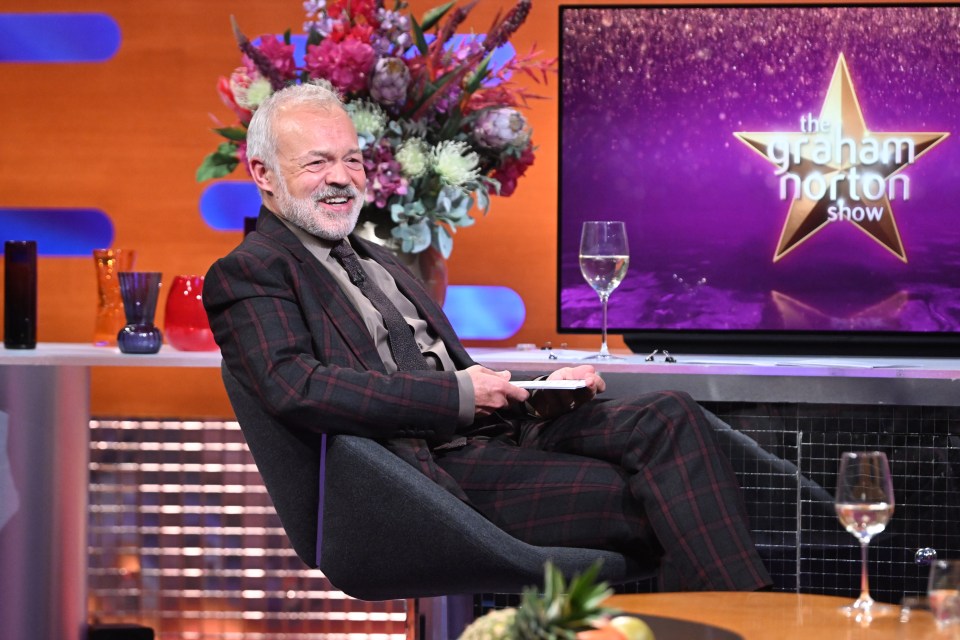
(185, 322)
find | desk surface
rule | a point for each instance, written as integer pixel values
(785, 616)
(793, 366)
(788, 379)
(86, 355)
(69, 353)
(845, 380)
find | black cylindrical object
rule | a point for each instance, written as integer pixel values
(20, 294)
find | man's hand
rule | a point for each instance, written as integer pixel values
(492, 390)
(552, 403)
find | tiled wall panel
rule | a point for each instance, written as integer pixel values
(184, 539)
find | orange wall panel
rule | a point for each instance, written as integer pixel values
(126, 136)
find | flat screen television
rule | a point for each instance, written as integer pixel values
(789, 175)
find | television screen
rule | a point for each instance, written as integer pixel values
(788, 175)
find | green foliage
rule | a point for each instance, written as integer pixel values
(563, 609)
(219, 163)
(433, 16)
(237, 134)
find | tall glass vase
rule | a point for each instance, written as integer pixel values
(110, 316)
(139, 290)
(429, 266)
(185, 321)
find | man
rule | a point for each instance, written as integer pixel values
(301, 327)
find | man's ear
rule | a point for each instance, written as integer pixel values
(262, 176)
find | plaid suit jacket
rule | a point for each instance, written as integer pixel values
(290, 336)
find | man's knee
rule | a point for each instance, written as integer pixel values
(681, 410)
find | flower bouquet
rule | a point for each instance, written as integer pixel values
(436, 112)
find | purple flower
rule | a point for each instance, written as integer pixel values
(393, 34)
(499, 128)
(384, 174)
(390, 80)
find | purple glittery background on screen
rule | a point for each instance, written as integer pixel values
(651, 98)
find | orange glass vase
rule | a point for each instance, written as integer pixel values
(110, 315)
(185, 322)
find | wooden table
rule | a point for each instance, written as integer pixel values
(769, 615)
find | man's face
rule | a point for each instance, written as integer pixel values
(321, 181)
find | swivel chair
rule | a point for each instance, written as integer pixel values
(378, 529)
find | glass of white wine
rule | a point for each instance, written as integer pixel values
(604, 257)
(864, 504)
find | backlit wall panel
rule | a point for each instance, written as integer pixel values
(184, 540)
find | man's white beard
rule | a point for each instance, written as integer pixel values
(310, 214)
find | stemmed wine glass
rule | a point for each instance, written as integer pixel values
(864, 504)
(604, 256)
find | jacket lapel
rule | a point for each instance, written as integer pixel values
(325, 293)
(429, 310)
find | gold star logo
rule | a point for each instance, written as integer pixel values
(844, 168)
(796, 314)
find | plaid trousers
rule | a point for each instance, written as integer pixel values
(640, 475)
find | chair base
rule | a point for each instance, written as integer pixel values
(440, 618)
(119, 632)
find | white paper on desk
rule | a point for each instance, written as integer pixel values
(549, 384)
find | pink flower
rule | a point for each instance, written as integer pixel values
(347, 64)
(249, 88)
(280, 55)
(226, 95)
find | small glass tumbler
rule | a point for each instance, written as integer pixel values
(943, 592)
(139, 290)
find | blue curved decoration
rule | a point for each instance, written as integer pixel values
(58, 232)
(224, 205)
(484, 312)
(58, 37)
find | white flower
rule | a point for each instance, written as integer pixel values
(413, 158)
(368, 118)
(454, 162)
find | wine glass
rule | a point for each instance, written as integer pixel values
(604, 256)
(864, 504)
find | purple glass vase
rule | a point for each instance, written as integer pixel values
(139, 290)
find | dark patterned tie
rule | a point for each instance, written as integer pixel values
(402, 345)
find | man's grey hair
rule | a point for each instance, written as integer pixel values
(261, 141)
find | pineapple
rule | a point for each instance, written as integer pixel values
(496, 625)
(558, 614)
